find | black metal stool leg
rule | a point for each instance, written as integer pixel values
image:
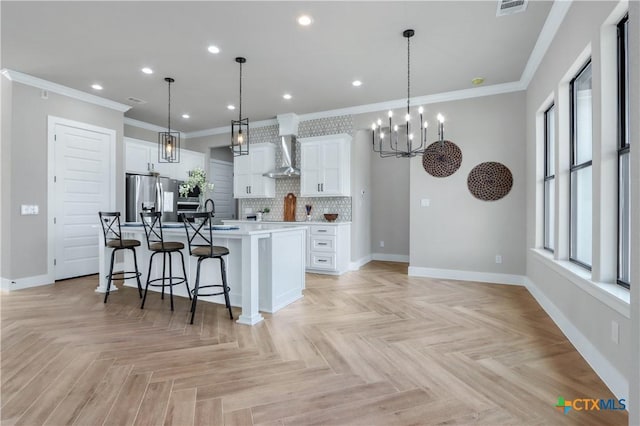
(170, 280)
(135, 264)
(146, 288)
(184, 272)
(106, 293)
(195, 290)
(225, 289)
(164, 271)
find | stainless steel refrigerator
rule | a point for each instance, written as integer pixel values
(145, 193)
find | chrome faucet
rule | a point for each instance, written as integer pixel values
(206, 206)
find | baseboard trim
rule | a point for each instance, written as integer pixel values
(354, 266)
(452, 274)
(390, 257)
(26, 282)
(614, 380)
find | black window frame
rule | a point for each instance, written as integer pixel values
(624, 146)
(547, 176)
(572, 166)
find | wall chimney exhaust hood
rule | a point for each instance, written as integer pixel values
(288, 129)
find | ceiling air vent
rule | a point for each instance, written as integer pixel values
(509, 7)
(136, 100)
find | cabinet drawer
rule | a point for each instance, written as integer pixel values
(323, 230)
(323, 261)
(319, 243)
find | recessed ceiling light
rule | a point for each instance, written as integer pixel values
(357, 83)
(147, 70)
(213, 49)
(96, 87)
(185, 115)
(477, 81)
(305, 20)
(231, 107)
(287, 96)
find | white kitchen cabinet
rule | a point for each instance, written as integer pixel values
(142, 157)
(328, 245)
(325, 166)
(248, 181)
(329, 248)
(189, 160)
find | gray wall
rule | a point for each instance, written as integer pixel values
(589, 315)
(361, 197)
(459, 231)
(389, 204)
(222, 154)
(141, 134)
(5, 177)
(27, 179)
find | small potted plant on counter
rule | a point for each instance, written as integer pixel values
(196, 185)
(259, 213)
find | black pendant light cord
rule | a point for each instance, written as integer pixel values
(169, 109)
(240, 106)
(408, 72)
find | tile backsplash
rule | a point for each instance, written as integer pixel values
(320, 205)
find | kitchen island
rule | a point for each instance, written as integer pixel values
(265, 266)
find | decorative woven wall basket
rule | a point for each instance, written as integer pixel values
(490, 181)
(442, 159)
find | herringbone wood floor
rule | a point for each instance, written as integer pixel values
(369, 347)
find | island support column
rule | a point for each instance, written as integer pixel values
(250, 278)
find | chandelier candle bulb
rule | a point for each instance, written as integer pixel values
(441, 127)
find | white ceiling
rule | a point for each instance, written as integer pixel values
(80, 43)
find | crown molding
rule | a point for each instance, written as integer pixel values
(227, 129)
(556, 15)
(29, 80)
(144, 125)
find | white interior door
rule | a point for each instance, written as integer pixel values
(221, 173)
(83, 187)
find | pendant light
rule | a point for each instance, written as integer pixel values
(169, 142)
(240, 127)
(412, 145)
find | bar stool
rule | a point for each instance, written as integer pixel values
(200, 238)
(152, 223)
(112, 232)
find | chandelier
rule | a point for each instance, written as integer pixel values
(413, 144)
(169, 142)
(240, 127)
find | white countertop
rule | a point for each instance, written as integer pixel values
(270, 222)
(244, 228)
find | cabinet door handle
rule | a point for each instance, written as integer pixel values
(249, 189)
(322, 260)
(318, 187)
(322, 230)
(322, 244)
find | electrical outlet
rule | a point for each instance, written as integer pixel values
(615, 332)
(425, 202)
(29, 209)
(381, 243)
(325, 211)
(248, 210)
(498, 258)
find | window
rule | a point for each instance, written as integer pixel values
(581, 155)
(624, 187)
(549, 177)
